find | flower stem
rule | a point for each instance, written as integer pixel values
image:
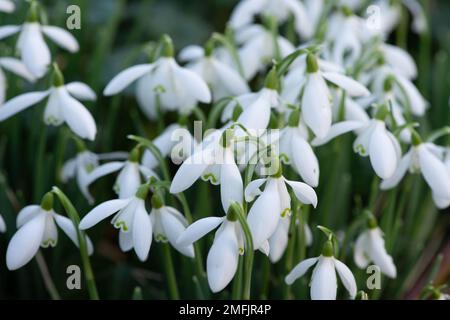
(48, 281)
(170, 272)
(237, 283)
(75, 217)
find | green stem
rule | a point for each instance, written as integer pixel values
(237, 282)
(170, 272)
(48, 281)
(75, 217)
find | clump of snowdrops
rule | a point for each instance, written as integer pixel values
(294, 141)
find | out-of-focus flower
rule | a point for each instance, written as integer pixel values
(7, 6)
(15, 66)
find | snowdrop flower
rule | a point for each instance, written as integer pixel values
(37, 228)
(380, 145)
(296, 151)
(61, 105)
(370, 246)
(15, 66)
(7, 6)
(390, 15)
(426, 158)
(130, 177)
(162, 84)
(279, 240)
(273, 203)
(131, 218)
(316, 105)
(399, 60)
(223, 256)
(223, 80)
(244, 13)
(258, 49)
(323, 281)
(34, 52)
(82, 165)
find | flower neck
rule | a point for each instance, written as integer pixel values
(327, 250)
(415, 138)
(134, 155)
(33, 13)
(272, 81)
(157, 201)
(294, 118)
(57, 76)
(47, 202)
(167, 47)
(312, 65)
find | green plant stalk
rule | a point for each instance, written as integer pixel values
(170, 272)
(38, 186)
(48, 281)
(402, 29)
(74, 216)
(288, 262)
(237, 282)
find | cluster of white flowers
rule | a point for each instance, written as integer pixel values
(312, 87)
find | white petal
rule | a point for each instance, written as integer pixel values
(441, 203)
(67, 226)
(25, 243)
(26, 214)
(173, 228)
(164, 143)
(305, 161)
(193, 84)
(68, 170)
(336, 130)
(222, 260)
(257, 115)
(61, 37)
(323, 281)
(303, 192)
(379, 255)
(104, 170)
(126, 77)
(2, 224)
(128, 180)
(230, 79)
(415, 98)
(16, 66)
(198, 229)
(125, 241)
(81, 91)
(359, 254)
(382, 152)
(352, 87)
(398, 174)
(78, 118)
(101, 212)
(231, 185)
(7, 6)
(34, 51)
(299, 270)
(400, 60)
(20, 103)
(265, 213)
(191, 52)
(434, 172)
(279, 240)
(6, 31)
(347, 278)
(142, 232)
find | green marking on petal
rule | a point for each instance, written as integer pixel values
(210, 177)
(121, 225)
(285, 212)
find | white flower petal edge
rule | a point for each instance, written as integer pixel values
(300, 270)
(20, 103)
(101, 212)
(198, 229)
(126, 77)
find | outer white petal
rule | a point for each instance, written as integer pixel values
(191, 52)
(382, 152)
(67, 226)
(198, 229)
(173, 228)
(2, 224)
(336, 130)
(377, 252)
(231, 185)
(265, 213)
(253, 189)
(230, 79)
(142, 232)
(193, 84)
(441, 203)
(101, 212)
(20, 103)
(16, 66)
(26, 214)
(125, 241)
(434, 172)
(360, 251)
(257, 115)
(299, 270)
(303, 192)
(6, 31)
(398, 174)
(126, 77)
(61, 37)
(305, 160)
(68, 170)
(81, 91)
(104, 170)
(25, 243)
(279, 240)
(222, 260)
(400, 60)
(243, 13)
(352, 87)
(164, 143)
(323, 281)
(34, 51)
(417, 101)
(347, 278)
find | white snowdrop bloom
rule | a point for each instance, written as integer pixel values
(380, 145)
(62, 105)
(390, 15)
(316, 104)
(31, 45)
(426, 158)
(168, 224)
(223, 256)
(131, 174)
(443, 202)
(258, 49)
(2, 224)
(246, 10)
(162, 84)
(279, 240)
(354, 109)
(223, 80)
(37, 228)
(296, 151)
(130, 217)
(82, 165)
(15, 66)
(369, 247)
(214, 161)
(7, 6)
(399, 60)
(323, 280)
(273, 203)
